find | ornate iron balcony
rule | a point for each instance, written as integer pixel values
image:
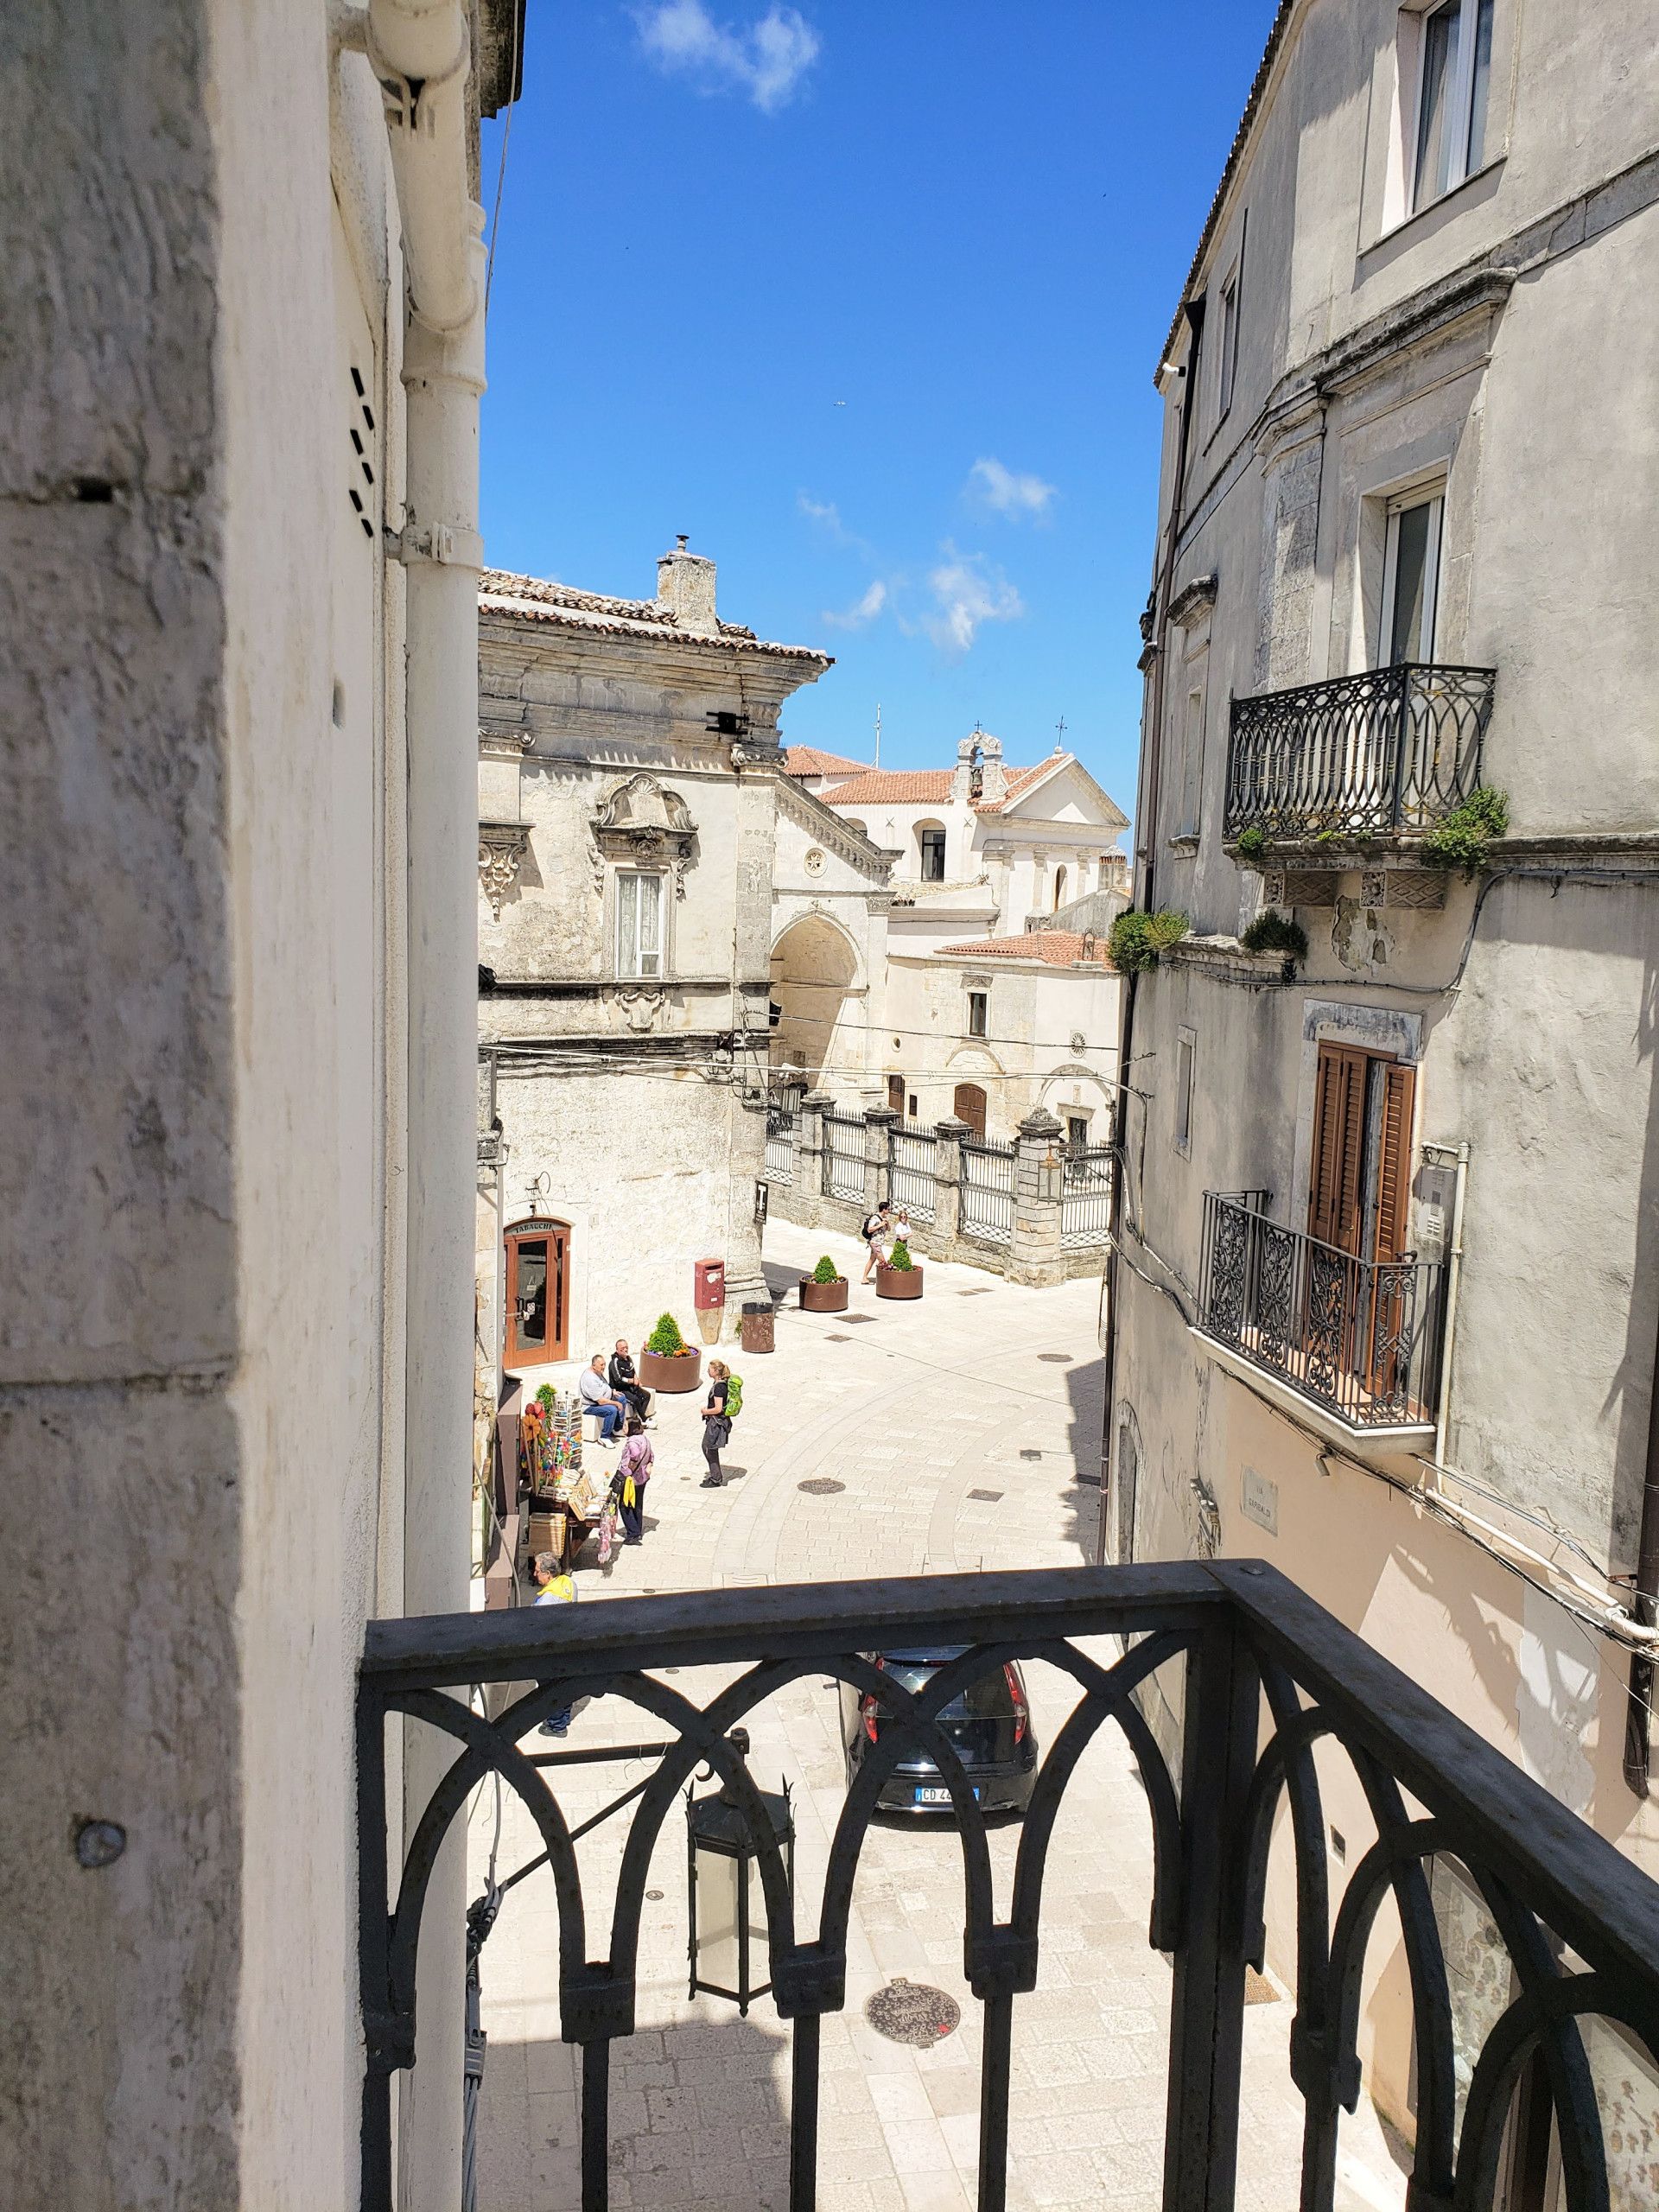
(1389, 751)
(1263, 1672)
(1361, 1338)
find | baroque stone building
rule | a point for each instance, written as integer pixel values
(628, 804)
(1386, 1308)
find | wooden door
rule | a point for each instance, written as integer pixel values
(895, 1094)
(538, 1283)
(1337, 1177)
(967, 1104)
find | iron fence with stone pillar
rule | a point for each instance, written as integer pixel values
(947, 1177)
(1034, 1253)
(809, 1184)
(878, 1153)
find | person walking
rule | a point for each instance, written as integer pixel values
(598, 1397)
(874, 1233)
(623, 1378)
(632, 1473)
(716, 1428)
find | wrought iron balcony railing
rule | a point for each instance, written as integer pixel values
(1391, 751)
(1361, 1338)
(1259, 1672)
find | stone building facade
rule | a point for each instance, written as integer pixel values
(628, 804)
(1387, 1302)
(239, 456)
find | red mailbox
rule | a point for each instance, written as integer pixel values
(709, 1288)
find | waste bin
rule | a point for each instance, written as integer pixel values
(757, 1327)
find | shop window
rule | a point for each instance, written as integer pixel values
(638, 924)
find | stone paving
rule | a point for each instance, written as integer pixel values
(965, 1428)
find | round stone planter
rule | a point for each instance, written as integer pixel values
(823, 1297)
(897, 1282)
(671, 1371)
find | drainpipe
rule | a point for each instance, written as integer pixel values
(1453, 1273)
(1638, 1717)
(421, 53)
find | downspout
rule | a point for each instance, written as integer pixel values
(1151, 797)
(1638, 1717)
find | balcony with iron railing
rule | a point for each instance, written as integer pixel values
(1276, 1700)
(1359, 1340)
(1385, 754)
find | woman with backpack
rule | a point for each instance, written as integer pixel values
(874, 1233)
(717, 1422)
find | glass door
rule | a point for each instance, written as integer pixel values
(537, 1284)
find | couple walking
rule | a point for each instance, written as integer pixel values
(882, 1230)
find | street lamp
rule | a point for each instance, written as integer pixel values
(727, 1905)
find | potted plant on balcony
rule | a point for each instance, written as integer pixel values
(668, 1363)
(899, 1276)
(824, 1290)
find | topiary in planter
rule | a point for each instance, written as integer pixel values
(665, 1339)
(824, 1290)
(901, 1258)
(899, 1277)
(1274, 932)
(1135, 939)
(668, 1363)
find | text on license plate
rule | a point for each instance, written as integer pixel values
(935, 1797)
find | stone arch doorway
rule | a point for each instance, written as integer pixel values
(815, 988)
(967, 1104)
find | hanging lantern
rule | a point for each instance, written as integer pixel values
(727, 1905)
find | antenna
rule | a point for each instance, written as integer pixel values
(878, 732)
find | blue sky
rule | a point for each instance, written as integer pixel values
(866, 298)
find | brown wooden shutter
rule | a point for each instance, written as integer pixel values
(1337, 1165)
(1394, 1167)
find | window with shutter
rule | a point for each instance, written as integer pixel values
(1336, 1180)
(1394, 1162)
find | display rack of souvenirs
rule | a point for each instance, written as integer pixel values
(549, 1441)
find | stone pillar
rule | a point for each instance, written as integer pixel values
(878, 1123)
(947, 1177)
(1035, 1256)
(811, 1171)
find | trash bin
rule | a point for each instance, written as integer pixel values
(757, 1327)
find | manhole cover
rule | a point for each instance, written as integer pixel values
(832, 1339)
(853, 1319)
(821, 1486)
(1031, 1455)
(986, 1496)
(978, 1290)
(1055, 1358)
(909, 2011)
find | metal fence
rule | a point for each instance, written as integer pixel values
(1086, 1196)
(986, 1210)
(780, 1145)
(1393, 749)
(843, 1139)
(1362, 1337)
(912, 1151)
(1259, 1673)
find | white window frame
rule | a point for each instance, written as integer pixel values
(982, 999)
(1421, 495)
(1186, 1050)
(1459, 112)
(641, 971)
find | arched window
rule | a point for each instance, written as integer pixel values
(1059, 889)
(930, 838)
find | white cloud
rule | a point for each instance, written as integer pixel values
(967, 593)
(865, 611)
(1007, 492)
(766, 62)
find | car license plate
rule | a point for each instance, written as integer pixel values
(935, 1797)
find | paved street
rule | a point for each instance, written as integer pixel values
(964, 1431)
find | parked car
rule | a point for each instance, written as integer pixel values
(988, 1727)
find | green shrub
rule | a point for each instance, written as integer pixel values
(1135, 940)
(901, 1258)
(1252, 843)
(544, 1396)
(1275, 932)
(826, 1270)
(665, 1339)
(1462, 839)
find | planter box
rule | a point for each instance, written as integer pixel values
(823, 1297)
(671, 1371)
(897, 1282)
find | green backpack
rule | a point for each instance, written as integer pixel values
(734, 1397)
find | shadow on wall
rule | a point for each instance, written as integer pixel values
(1086, 1386)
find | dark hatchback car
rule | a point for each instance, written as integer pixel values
(988, 1725)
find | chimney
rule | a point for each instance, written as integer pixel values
(685, 587)
(994, 782)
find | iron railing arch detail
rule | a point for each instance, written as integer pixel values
(1580, 1924)
(1391, 750)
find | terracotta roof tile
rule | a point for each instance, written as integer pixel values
(807, 761)
(535, 599)
(1055, 948)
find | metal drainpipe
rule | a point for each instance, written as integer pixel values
(1638, 1717)
(1125, 1034)
(1453, 1275)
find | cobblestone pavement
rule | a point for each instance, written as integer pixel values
(965, 1429)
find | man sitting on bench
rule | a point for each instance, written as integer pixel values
(624, 1381)
(598, 1397)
